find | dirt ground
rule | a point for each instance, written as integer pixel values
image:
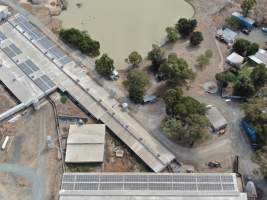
(27, 148)
(7, 101)
(128, 163)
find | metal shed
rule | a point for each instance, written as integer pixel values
(216, 119)
(85, 143)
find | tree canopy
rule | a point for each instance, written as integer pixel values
(186, 26)
(137, 82)
(247, 5)
(175, 70)
(245, 48)
(259, 76)
(244, 87)
(256, 113)
(172, 34)
(156, 56)
(104, 65)
(186, 121)
(135, 58)
(196, 38)
(80, 40)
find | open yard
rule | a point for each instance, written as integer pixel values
(28, 168)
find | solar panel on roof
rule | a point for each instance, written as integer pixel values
(56, 52)
(160, 186)
(87, 178)
(25, 69)
(41, 84)
(151, 182)
(68, 186)
(2, 36)
(46, 43)
(135, 186)
(86, 186)
(209, 187)
(135, 178)
(15, 49)
(68, 178)
(228, 186)
(9, 52)
(48, 81)
(31, 65)
(65, 60)
(113, 186)
(185, 186)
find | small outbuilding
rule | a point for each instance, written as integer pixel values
(260, 57)
(85, 143)
(216, 119)
(226, 35)
(246, 22)
(235, 59)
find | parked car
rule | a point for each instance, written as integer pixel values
(214, 164)
(114, 75)
(246, 31)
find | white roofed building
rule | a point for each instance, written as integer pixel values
(85, 143)
(235, 59)
(260, 57)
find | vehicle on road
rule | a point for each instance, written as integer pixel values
(246, 31)
(264, 29)
(5, 143)
(251, 133)
(214, 164)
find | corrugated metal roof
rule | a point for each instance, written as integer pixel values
(85, 143)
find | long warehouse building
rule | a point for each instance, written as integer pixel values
(150, 186)
(24, 48)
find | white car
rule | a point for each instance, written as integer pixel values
(114, 75)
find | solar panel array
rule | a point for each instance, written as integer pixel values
(12, 50)
(32, 33)
(2, 36)
(149, 182)
(28, 67)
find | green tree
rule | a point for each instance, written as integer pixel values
(245, 47)
(244, 87)
(247, 5)
(188, 106)
(156, 56)
(135, 58)
(80, 40)
(171, 98)
(255, 111)
(104, 65)
(259, 76)
(252, 49)
(175, 70)
(137, 81)
(196, 38)
(225, 77)
(172, 34)
(202, 60)
(186, 26)
(173, 128)
(241, 46)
